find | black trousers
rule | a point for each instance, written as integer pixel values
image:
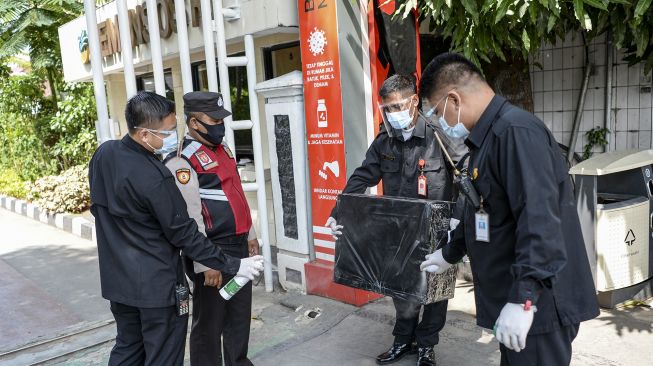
(215, 318)
(409, 328)
(553, 348)
(147, 336)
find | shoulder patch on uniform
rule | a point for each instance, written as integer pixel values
(183, 175)
(205, 160)
(228, 151)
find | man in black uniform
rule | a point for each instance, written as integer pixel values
(532, 279)
(142, 225)
(397, 157)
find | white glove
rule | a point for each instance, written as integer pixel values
(335, 228)
(453, 224)
(250, 267)
(435, 263)
(513, 325)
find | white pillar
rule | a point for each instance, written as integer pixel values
(155, 47)
(223, 71)
(209, 46)
(96, 66)
(182, 39)
(126, 48)
(258, 159)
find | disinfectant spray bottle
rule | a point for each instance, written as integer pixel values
(233, 286)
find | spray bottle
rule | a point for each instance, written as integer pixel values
(233, 286)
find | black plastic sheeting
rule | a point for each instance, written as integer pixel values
(384, 241)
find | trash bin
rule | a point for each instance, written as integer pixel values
(614, 192)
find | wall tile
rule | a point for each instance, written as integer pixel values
(621, 140)
(557, 59)
(557, 121)
(599, 98)
(547, 59)
(577, 78)
(645, 99)
(579, 56)
(548, 102)
(567, 79)
(645, 119)
(557, 80)
(621, 75)
(620, 123)
(567, 121)
(538, 101)
(633, 97)
(568, 101)
(557, 101)
(632, 140)
(558, 136)
(644, 139)
(633, 75)
(547, 80)
(633, 119)
(622, 97)
(598, 79)
(537, 81)
(589, 100)
(587, 121)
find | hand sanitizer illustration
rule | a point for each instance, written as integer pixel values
(321, 113)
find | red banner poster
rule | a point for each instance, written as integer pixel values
(318, 29)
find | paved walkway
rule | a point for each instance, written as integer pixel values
(49, 286)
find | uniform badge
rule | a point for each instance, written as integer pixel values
(205, 160)
(183, 175)
(475, 174)
(228, 151)
(220, 102)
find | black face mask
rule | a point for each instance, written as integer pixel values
(214, 134)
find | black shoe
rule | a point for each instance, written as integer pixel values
(425, 356)
(395, 353)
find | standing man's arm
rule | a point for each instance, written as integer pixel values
(166, 203)
(531, 178)
(188, 184)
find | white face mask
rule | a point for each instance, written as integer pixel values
(400, 120)
(458, 131)
(169, 143)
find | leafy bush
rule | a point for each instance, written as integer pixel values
(68, 192)
(11, 184)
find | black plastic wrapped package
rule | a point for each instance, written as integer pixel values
(384, 241)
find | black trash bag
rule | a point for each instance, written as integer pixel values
(384, 241)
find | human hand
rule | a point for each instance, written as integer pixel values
(335, 228)
(513, 324)
(253, 247)
(435, 263)
(250, 267)
(212, 278)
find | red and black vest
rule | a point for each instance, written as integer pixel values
(224, 206)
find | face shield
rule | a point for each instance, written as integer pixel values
(399, 115)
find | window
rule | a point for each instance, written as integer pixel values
(282, 59)
(145, 82)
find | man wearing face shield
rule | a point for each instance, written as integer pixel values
(532, 281)
(405, 152)
(206, 174)
(142, 225)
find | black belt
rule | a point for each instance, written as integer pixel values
(231, 240)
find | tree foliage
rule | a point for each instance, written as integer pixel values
(484, 29)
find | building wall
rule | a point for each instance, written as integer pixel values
(556, 76)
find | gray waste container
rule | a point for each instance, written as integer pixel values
(614, 192)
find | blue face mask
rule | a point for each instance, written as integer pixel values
(169, 143)
(458, 131)
(399, 120)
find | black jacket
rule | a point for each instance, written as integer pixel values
(142, 223)
(396, 164)
(536, 250)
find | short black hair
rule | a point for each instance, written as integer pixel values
(147, 109)
(447, 69)
(403, 84)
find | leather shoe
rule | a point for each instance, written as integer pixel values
(395, 353)
(425, 356)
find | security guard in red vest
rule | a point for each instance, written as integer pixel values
(206, 174)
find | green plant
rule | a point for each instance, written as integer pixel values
(67, 192)
(485, 29)
(595, 137)
(11, 184)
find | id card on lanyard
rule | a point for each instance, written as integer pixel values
(482, 224)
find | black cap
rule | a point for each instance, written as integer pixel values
(206, 102)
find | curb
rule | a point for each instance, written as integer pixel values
(72, 224)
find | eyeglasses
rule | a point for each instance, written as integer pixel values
(163, 132)
(434, 110)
